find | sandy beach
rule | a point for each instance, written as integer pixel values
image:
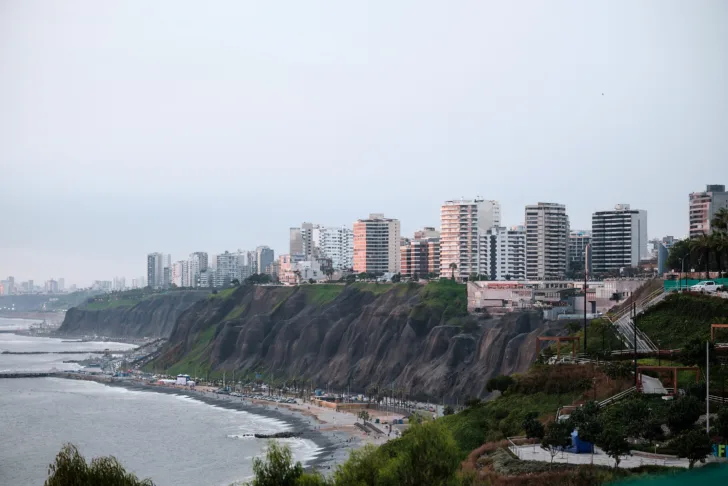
(332, 431)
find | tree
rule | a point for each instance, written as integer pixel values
(311, 281)
(557, 437)
(678, 251)
(70, 469)
(533, 428)
(694, 445)
(396, 278)
(703, 245)
(683, 413)
(429, 455)
(614, 444)
(472, 277)
(448, 410)
(453, 267)
(362, 467)
(500, 383)
(277, 469)
(720, 424)
(632, 416)
(720, 221)
(235, 282)
(351, 278)
(587, 421)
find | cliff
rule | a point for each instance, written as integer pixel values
(142, 316)
(416, 337)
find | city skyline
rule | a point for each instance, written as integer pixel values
(221, 132)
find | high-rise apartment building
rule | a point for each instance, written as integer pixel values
(227, 269)
(376, 245)
(547, 246)
(155, 270)
(197, 263)
(703, 206)
(462, 223)
(619, 238)
(201, 258)
(295, 242)
(502, 253)
(426, 232)
(578, 240)
(118, 284)
(62, 284)
(420, 257)
(337, 244)
(180, 276)
(167, 271)
(265, 257)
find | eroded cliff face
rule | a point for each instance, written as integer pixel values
(354, 338)
(154, 317)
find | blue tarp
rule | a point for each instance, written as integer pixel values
(580, 446)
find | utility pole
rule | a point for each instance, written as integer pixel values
(585, 284)
(634, 329)
(707, 387)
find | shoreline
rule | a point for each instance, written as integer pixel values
(334, 445)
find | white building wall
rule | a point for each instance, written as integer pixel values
(502, 253)
(338, 245)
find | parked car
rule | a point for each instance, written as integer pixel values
(705, 286)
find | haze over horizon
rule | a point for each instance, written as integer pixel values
(134, 127)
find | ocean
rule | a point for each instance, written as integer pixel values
(172, 439)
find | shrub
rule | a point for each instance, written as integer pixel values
(70, 469)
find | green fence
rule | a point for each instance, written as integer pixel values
(681, 284)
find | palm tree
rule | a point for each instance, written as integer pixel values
(719, 242)
(719, 229)
(297, 273)
(453, 267)
(720, 221)
(703, 244)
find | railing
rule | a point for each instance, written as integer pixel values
(513, 447)
(716, 398)
(617, 397)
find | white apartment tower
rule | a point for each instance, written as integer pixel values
(619, 238)
(337, 243)
(502, 253)
(462, 223)
(155, 270)
(547, 241)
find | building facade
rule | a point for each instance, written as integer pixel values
(155, 270)
(462, 222)
(227, 269)
(295, 242)
(420, 257)
(703, 206)
(264, 257)
(547, 247)
(619, 238)
(376, 245)
(337, 244)
(502, 253)
(578, 241)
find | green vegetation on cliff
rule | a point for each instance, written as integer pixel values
(126, 299)
(681, 318)
(543, 389)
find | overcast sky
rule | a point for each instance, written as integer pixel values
(129, 127)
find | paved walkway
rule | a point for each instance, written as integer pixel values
(535, 453)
